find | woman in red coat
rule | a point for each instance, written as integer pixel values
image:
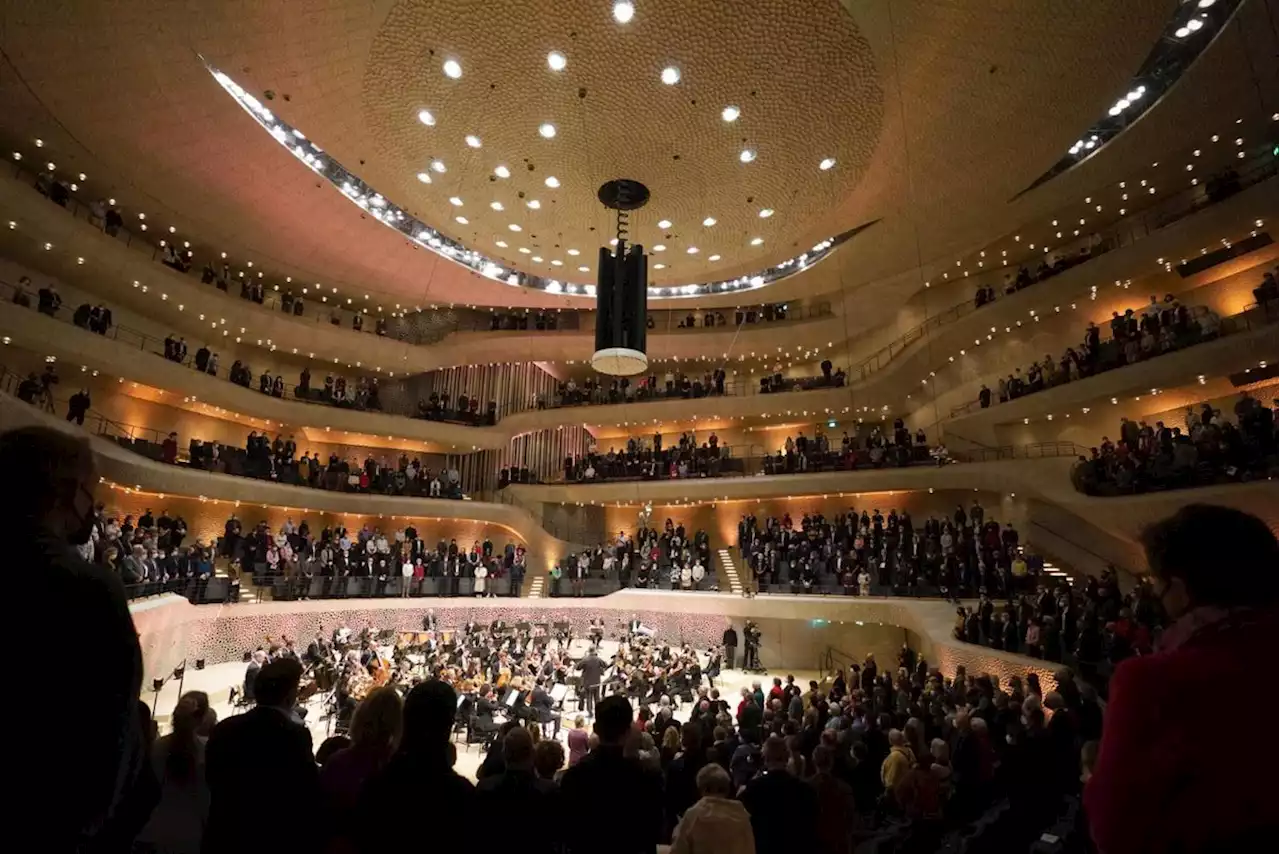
(1169, 775)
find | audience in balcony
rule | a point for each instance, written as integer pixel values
(465, 410)
(48, 300)
(952, 557)
(666, 559)
(645, 460)
(149, 555)
(175, 349)
(673, 384)
(1160, 327)
(95, 318)
(1207, 449)
(172, 258)
(542, 320)
(1268, 291)
(875, 449)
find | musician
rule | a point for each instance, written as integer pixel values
(591, 668)
(713, 667)
(633, 627)
(486, 707)
(596, 630)
(341, 634)
(541, 704)
(256, 663)
(318, 650)
(430, 623)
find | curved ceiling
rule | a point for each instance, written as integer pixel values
(936, 114)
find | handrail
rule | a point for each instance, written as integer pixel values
(465, 319)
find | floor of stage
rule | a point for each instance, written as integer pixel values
(217, 681)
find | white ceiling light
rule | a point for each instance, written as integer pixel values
(692, 250)
(452, 69)
(714, 258)
(461, 219)
(426, 118)
(533, 204)
(546, 130)
(424, 177)
(671, 75)
(766, 213)
(455, 201)
(438, 166)
(756, 241)
(473, 140)
(502, 172)
(502, 244)
(623, 12)
(574, 252)
(1205, 4)
(747, 155)
(556, 262)
(497, 206)
(709, 221)
(659, 248)
(514, 227)
(827, 163)
(552, 181)
(730, 113)
(524, 251)
(556, 60)
(659, 266)
(1194, 24)
(664, 223)
(584, 269)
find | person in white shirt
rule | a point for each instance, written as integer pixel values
(698, 574)
(590, 473)
(382, 545)
(686, 577)
(481, 575)
(406, 578)
(434, 489)
(864, 583)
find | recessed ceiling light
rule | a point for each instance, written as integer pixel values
(514, 227)
(438, 166)
(524, 251)
(659, 248)
(502, 172)
(460, 219)
(502, 244)
(747, 155)
(623, 12)
(659, 266)
(556, 60)
(452, 69)
(827, 163)
(713, 258)
(534, 204)
(664, 223)
(426, 118)
(765, 213)
(473, 140)
(424, 177)
(692, 250)
(709, 221)
(756, 241)
(671, 75)
(552, 181)
(730, 114)
(537, 259)
(455, 201)
(556, 262)
(584, 269)
(497, 206)
(546, 130)
(574, 252)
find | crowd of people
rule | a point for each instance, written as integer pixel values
(465, 409)
(869, 553)
(277, 460)
(669, 558)
(647, 459)
(1207, 448)
(336, 563)
(905, 757)
(1160, 327)
(873, 447)
(1024, 278)
(149, 554)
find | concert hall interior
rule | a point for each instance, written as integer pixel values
(753, 426)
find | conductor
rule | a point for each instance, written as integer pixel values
(592, 668)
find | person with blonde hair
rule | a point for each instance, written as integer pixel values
(375, 732)
(579, 740)
(177, 822)
(716, 823)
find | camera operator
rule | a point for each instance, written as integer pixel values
(751, 648)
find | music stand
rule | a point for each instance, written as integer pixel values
(523, 626)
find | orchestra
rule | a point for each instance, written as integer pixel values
(501, 672)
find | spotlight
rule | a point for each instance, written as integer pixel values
(623, 12)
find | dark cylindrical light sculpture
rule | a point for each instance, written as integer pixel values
(622, 289)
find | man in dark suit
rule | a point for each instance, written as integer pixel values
(90, 767)
(730, 642)
(541, 707)
(784, 809)
(592, 668)
(519, 798)
(482, 722)
(264, 750)
(605, 778)
(419, 776)
(251, 672)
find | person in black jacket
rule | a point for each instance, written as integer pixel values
(89, 770)
(730, 642)
(519, 798)
(784, 809)
(264, 750)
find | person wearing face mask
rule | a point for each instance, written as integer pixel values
(1161, 782)
(91, 767)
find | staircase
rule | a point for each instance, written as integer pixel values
(536, 586)
(728, 572)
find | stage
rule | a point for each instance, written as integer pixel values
(217, 680)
